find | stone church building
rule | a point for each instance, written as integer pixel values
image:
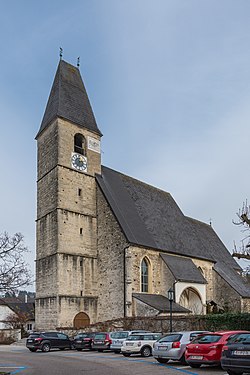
(111, 246)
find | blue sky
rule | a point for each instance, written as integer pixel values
(169, 83)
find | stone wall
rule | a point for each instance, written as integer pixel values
(111, 245)
(225, 295)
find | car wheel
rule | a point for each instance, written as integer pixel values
(116, 351)
(46, 348)
(162, 360)
(126, 354)
(100, 350)
(231, 372)
(61, 348)
(79, 349)
(183, 360)
(32, 350)
(194, 365)
(146, 351)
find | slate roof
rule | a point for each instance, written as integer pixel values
(69, 100)
(183, 269)
(160, 303)
(150, 217)
(17, 306)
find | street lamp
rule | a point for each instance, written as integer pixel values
(171, 298)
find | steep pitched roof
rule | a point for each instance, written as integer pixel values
(69, 100)
(160, 303)
(18, 306)
(183, 269)
(150, 217)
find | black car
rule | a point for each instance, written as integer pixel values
(83, 340)
(48, 340)
(235, 357)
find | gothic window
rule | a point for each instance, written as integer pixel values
(144, 275)
(79, 144)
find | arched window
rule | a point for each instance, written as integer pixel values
(79, 144)
(191, 299)
(144, 275)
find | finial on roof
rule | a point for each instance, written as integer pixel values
(61, 53)
(210, 222)
(78, 61)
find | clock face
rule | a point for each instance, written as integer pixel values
(79, 162)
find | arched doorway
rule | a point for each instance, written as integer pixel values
(81, 320)
(190, 299)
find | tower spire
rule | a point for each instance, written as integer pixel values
(69, 100)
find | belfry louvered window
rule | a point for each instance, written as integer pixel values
(144, 275)
(79, 144)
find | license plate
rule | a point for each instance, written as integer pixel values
(99, 342)
(129, 344)
(241, 352)
(163, 347)
(79, 341)
(30, 340)
(196, 357)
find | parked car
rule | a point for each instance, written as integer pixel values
(235, 358)
(173, 346)
(206, 349)
(48, 340)
(101, 341)
(83, 340)
(118, 337)
(140, 343)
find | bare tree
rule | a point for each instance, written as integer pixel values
(14, 271)
(243, 252)
(17, 321)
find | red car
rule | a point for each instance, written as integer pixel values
(206, 349)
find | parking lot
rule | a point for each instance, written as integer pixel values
(18, 360)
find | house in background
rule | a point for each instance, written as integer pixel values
(15, 312)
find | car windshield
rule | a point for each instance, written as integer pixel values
(100, 336)
(206, 339)
(171, 338)
(82, 336)
(243, 338)
(119, 335)
(134, 338)
(34, 335)
(193, 335)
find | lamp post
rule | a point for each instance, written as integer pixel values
(171, 298)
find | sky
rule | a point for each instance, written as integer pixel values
(169, 84)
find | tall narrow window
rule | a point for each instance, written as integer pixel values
(79, 144)
(144, 275)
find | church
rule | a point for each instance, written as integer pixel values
(109, 246)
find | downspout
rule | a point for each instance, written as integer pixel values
(124, 281)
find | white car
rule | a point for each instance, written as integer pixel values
(140, 343)
(118, 337)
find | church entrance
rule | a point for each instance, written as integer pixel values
(81, 320)
(190, 299)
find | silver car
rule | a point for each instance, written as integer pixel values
(118, 337)
(173, 345)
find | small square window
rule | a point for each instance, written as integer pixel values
(79, 192)
(80, 230)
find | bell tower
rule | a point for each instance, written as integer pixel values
(66, 250)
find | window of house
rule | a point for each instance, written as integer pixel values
(79, 144)
(144, 275)
(29, 327)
